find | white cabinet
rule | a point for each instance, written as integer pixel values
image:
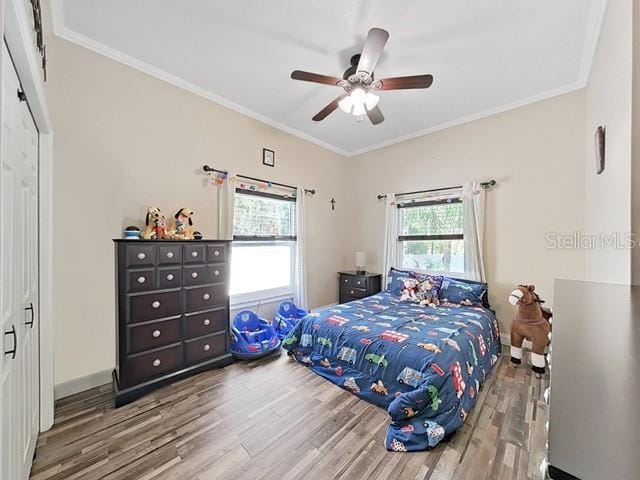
(19, 362)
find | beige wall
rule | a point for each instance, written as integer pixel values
(608, 102)
(125, 140)
(535, 153)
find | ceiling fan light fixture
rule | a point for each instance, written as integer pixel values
(371, 100)
(346, 104)
(358, 109)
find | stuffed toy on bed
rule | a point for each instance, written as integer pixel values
(409, 292)
(531, 322)
(426, 293)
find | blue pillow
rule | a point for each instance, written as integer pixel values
(395, 280)
(463, 292)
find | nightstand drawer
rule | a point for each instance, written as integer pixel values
(353, 292)
(359, 282)
(153, 335)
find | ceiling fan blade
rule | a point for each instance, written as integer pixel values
(315, 78)
(324, 113)
(375, 115)
(373, 46)
(404, 83)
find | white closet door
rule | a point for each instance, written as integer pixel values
(19, 370)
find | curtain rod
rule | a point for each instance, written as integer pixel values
(208, 169)
(486, 185)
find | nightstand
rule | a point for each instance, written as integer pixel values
(354, 286)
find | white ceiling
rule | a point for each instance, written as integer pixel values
(486, 56)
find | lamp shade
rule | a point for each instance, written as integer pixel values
(361, 260)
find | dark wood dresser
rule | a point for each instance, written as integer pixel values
(172, 308)
(595, 385)
(354, 286)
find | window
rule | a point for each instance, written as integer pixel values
(264, 246)
(431, 237)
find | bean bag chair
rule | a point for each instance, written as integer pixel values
(287, 317)
(252, 336)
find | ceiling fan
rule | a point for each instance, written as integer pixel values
(359, 83)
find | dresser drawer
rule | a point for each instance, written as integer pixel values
(217, 253)
(206, 323)
(141, 280)
(153, 335)
(145, 366)
(150, 306)
(353, 292)
(359, 282)
(170, 254)
(194, 253)
(203, 274)
(140, 255)
(203, 298)
(169, 277)
(205, 348)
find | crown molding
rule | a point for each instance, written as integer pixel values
(596, 19)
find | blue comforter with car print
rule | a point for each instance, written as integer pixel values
(423, 364)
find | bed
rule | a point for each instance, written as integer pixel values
(423, 364)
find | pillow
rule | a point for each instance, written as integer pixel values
(463, 292)
(395, 280)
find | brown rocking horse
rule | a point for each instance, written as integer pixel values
(531, 322)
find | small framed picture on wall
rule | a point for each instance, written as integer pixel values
(268, 157)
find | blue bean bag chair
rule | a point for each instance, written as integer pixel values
(252, 336)
(287, 317)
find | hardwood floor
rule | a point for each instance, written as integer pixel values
(275, 419)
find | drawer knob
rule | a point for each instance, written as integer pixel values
(207, 347)
(142, 256)
(206, 296)
(216, 273)
(156, 362)
(194, 275)
(170, 276)
(206, 322)
(351, 292)
(156, 333)
(216, 253)
(156, 304)
(346, 281)
(194, 254)
(169, 254)
(141, 279)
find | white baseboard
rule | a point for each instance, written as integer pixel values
(77, 385)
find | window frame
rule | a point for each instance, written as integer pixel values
(407, 238)
(267, 241)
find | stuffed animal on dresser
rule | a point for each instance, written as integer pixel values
(530, 322)
(155, 225)
(183, 225)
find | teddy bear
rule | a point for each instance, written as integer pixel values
(531, 322)
(409, 292)
(155, 225)
(425, 294)
(182, 228)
